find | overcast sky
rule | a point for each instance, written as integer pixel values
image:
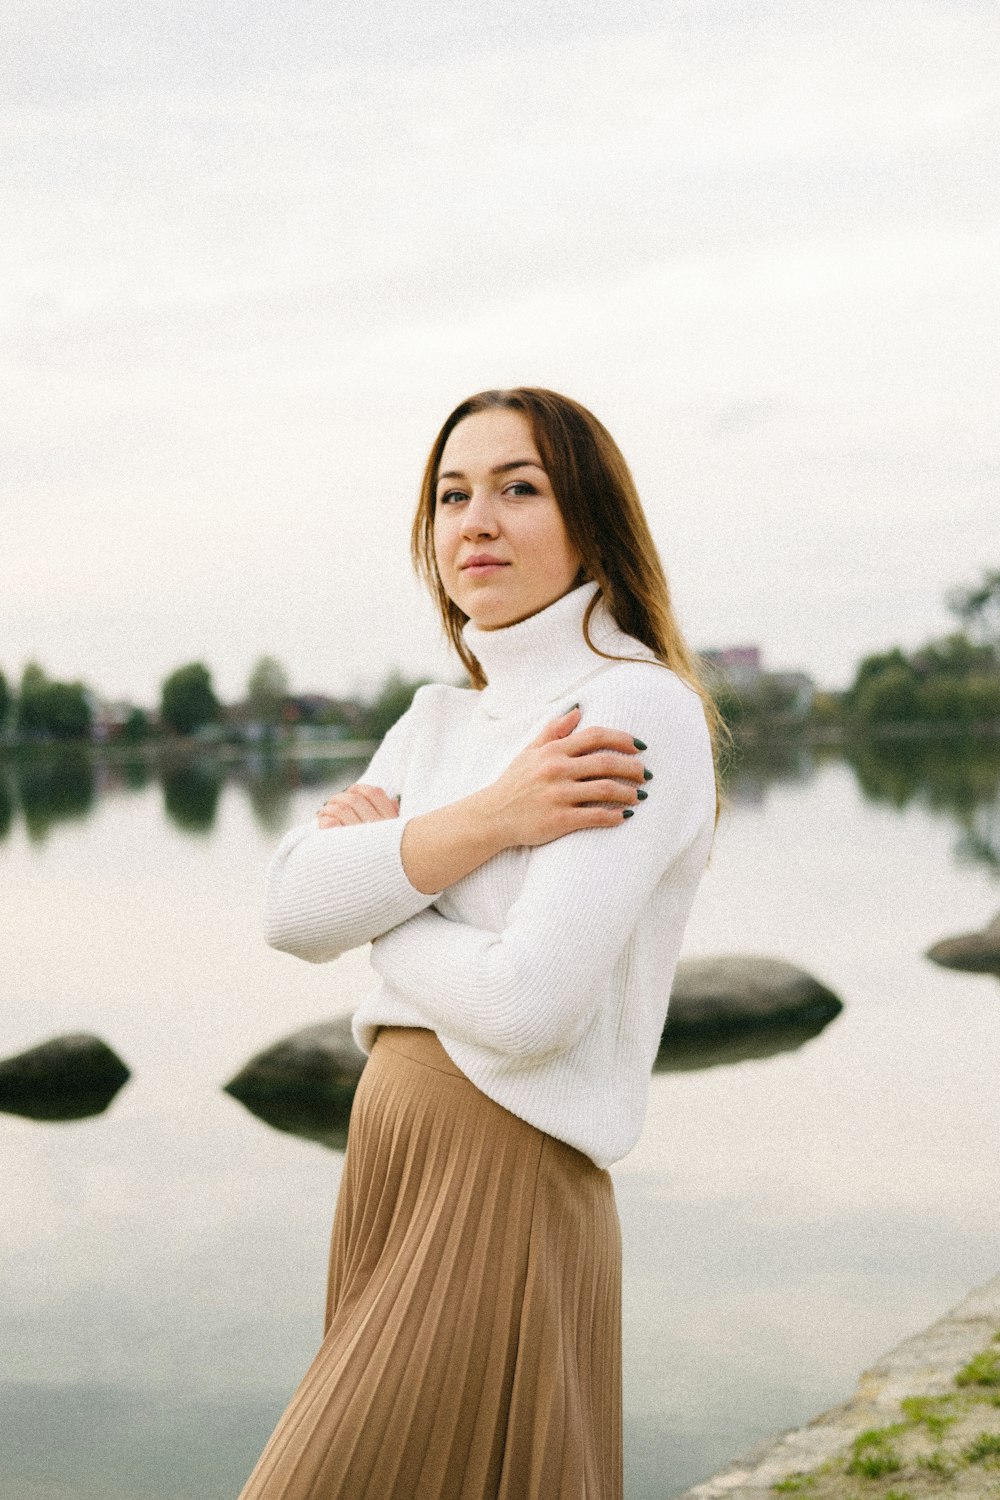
(254, 253)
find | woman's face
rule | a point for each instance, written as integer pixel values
(501, 544)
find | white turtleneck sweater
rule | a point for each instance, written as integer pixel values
(546, 971)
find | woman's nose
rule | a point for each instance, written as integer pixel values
(479, 517)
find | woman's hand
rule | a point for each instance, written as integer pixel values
(566, 779)
(357, 804)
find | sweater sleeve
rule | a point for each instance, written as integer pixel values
(530, 989)
(330, 889)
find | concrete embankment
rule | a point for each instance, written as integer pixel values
(924, 1420)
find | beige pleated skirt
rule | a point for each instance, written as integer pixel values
(473, 1325)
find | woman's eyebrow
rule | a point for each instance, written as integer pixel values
(517, 463)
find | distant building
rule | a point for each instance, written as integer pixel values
(742, 668)
(109, 717)
(739, 665)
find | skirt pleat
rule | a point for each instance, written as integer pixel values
(472, 1346)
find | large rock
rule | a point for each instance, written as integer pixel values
(67, 1078)
(744, 992)
(975, 952)
(305, 1083)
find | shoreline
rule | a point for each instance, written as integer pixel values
(923, 1366)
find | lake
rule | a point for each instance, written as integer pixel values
(785, 1219)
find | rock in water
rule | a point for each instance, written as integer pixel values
(974, 952)
(743, 992)
(67, 1078)
(305, 1083)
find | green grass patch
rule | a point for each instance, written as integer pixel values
(932, 1412)
(794, 1484)
(982, 1369)
(986, 1445)
(937, 1463)
(872, 1452)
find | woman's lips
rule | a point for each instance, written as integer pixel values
(479, 570)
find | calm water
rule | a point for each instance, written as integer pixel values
(784, 1220)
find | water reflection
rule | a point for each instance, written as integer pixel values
(960, 778)
(51, 787)
(6, 803)
(191, 794)
(688, 1051)
(315, 1117)
(956, 778)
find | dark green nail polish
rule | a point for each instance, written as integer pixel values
(641, 793)
(627, 812)
(638, 744)
(647, 774)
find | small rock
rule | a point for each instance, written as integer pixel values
(974, 952)
(67, 1078)
(739, 992)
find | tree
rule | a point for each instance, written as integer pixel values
(136, 727)
(187, 700)
(46, 709)
(978, 607)
(393, 699)
(871, 668)
(267, 689)
(888, 697)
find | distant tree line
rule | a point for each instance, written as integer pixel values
(954, 680)
(951, 681)
(42, 710)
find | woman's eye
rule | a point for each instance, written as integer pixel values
(449, 496)
(521, 487)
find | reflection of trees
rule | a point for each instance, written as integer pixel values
(191, 794)
(269, 795)
(750, 768)
(54, 785)
(57, 782)
(6, 803)
(957, 777)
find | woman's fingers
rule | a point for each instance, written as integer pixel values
(373, 803)
(610, 790)
(557, 729)
(604, 763)
(357, 804)
(596, 737)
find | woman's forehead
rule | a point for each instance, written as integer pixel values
(487, 439)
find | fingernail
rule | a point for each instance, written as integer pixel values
(627, 812)
(641, 793)
(639, 744)
(571, 707)
(648, 774)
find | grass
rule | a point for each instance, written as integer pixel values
(986, 1445)
(932, 1412)
(983, 1369)
(937, 1463)
(872, 1453)
(932, 1450)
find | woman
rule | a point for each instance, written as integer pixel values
(524, 877)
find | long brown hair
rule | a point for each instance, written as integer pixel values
(606, 524)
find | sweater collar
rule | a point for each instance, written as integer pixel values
(539, 659)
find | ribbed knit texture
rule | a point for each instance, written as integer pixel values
(546, 972)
